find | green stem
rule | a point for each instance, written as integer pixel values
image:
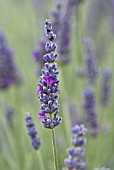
(54, 149)
(41, 162)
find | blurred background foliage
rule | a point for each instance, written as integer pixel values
(23, 24)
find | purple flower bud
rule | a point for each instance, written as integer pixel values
(42, 115)
(77, 152)
(49, 80)
(40, 90)
(35, 141)
(50, 47)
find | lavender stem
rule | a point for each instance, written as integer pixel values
(54, 149)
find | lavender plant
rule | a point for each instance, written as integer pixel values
(89, 109)
(106, 87)
(65, 34)
(76, 160)
(35, 141)
(49, 82)
(48, 87)
(9, 73)
(65, 22)
(91, 63)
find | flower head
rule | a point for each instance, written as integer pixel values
(76, 153)
(49, 83)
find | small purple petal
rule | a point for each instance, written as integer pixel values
(49, 80)
(39, 91)
(42, 116)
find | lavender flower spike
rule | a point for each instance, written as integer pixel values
(9, 73)
(106, 87)
(35, 141)
(49, 82)
(75, 160)
(65, 34)
(89, 108)
(91, 63)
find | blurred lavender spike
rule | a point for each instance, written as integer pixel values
(76, 2)
(111, 24)
(49, 82)
(56, 17)
(91, 63)
(89, 108)
(106, 87)
(64, 41)
(76, 153)
(35, 141)
(38, 53)
(94, 17)
(9, 73)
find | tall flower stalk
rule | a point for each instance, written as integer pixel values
(106, 87)
(91, 63)
(90, 110)
(9, 73)
(48, 88)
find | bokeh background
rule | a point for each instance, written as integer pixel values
(23, 24)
